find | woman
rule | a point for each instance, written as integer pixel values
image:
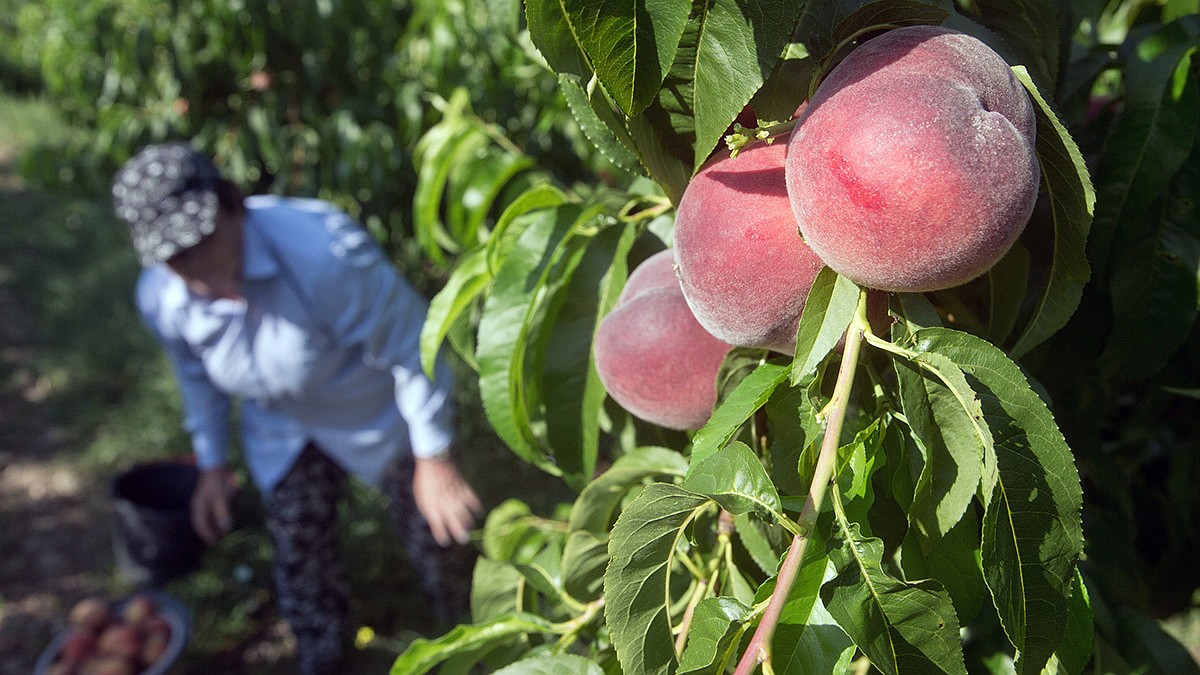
(291, 308)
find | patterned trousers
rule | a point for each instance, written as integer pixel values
(310, 577)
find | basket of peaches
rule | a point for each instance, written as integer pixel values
(142, 634)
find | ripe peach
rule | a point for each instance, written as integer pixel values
(91, 613)
(120, 639)
(138, 609)
(78, 646)
(108, 665)
(913, 168)
(656, 361)
(656, 272)
(154, 646)
(743, 267)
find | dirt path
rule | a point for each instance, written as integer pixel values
(53, 520)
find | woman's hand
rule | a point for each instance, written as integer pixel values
(448, 503)
(210, 507)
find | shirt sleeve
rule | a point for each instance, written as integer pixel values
(373, 307)
(206, 409)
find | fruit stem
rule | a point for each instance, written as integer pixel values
(758, 651)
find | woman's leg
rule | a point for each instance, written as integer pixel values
(443, 573)
(310, 578)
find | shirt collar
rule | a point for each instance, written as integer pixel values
(257, 259)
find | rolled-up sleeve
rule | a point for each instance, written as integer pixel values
(371, 306)
(206, 409)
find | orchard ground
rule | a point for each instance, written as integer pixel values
(84, 393)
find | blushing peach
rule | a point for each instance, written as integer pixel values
(743, 267)
(914, 168)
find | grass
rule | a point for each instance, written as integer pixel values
(112, 399)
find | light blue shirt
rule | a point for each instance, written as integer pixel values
(323, 347)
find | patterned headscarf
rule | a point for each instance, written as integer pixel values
(167, 193)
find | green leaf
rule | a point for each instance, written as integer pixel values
(808, 641)
(423, 655)
(1154, 283)
(827, 25)
(475, 183)
(953, 560)
(495, 589)
(594, 508)
(505, 234)
(944, 414)
(642, 551)
(735, 479)
(510, 319)
(1143, 151)
(631, 45)
(786, 87)
(756, 538)
(1032, 532)
(438, 152)
(561, 664)
(903, 627)
(718, 625)
(827, 313)
(1073, 655)
(747, 397)
(1066, 182)
(552, 34)
(604, 129)
(469, 278)
(1006, 283)
(508, 533)
(573, 393)
(738, 46)
(584, 559)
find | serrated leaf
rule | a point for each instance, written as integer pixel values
(902, 627)
(1066, 182)
(642, 551)
(738, 45)
(755, 537)
(716, 630)
(735, 478)
(1032, 532)
(827, 313)
(423, 655)
(468, 279)
(748, 396)
(552, 34)
(594, 508)
(1006, 283)
(560, 664)
(602, 128)
(630, 45)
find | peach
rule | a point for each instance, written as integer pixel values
(138, 609)
(78, 646)
(743, 267)
(655, 272)
(656, 361)
(120, 639)
(913, 168)
(90, 613)
(108, 665)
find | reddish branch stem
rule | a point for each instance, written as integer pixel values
(835, 414)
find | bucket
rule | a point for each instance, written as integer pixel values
(153, 539)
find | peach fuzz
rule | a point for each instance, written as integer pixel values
(742, 265)
(656, 361)
(913, 168)
(655, 273)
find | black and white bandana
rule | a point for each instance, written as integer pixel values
(167, 193)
